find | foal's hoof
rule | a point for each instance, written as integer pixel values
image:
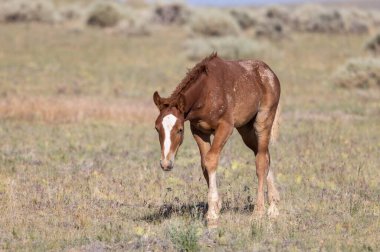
(273, 211)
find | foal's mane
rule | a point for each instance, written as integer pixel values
(191, 76)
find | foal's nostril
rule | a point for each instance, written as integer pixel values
(166, 165)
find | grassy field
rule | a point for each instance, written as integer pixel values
(79, 156)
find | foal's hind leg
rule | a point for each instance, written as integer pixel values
(263, 126)
(256, 136)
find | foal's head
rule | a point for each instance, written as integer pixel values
(170, 128)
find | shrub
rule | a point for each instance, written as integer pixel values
(373, 44)
(245, 18)
(174, 13)
(227, 47)
(277, 13)
(104, 14)
(273, 29)
(135, 22)
(72, 12)
(356, 21)
(361, 73)
(27, 11)
(214, 23)
(357, 26)
(184, 237)
(315, 18)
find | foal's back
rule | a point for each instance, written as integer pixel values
(246, 86)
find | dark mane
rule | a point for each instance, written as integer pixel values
(191, 76)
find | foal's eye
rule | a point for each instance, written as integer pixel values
(180, 131)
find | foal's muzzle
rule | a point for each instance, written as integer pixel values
(166, 165)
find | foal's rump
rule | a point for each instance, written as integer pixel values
(255, 88)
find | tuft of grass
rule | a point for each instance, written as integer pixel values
(363, 73)
(185, 237)
(227, 47)
(28, 11)
(257, 230)
(213, 23)
(104, 14)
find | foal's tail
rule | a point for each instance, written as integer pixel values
(276, 125)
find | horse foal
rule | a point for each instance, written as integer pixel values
(217, 96)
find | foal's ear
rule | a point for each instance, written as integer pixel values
(181, 103)
(159, 101)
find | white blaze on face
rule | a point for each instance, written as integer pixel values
(168, 122)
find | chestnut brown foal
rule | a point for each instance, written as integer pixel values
(217, 96)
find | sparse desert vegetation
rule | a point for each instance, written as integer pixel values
(79, 158)
(213, 23)
(361, 73)
(373, 44)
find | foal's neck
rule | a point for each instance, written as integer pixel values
(192, 94)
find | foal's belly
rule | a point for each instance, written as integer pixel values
(245, 109)
(241, 118)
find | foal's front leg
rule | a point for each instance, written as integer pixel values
(222, 133)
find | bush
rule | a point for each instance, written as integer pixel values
(27, 11)
(71, 12)
(104, 14)
(273, 29)
(227, 47)
(245, 18)
(174, 13)
(356, 21)
(361, 73)
(277, 13)
(373, 44)
(315, 18)
(184, 237)
(214, 23)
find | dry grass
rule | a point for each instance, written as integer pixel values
(75, 109)
(93, 183)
